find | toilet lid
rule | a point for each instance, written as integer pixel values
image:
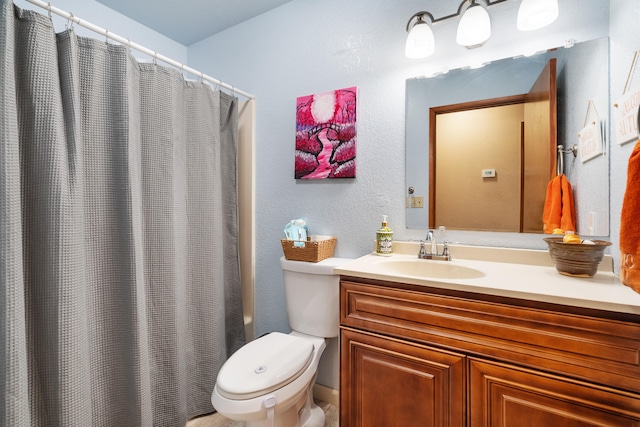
(264, 365)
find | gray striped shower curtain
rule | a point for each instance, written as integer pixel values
(119, 278)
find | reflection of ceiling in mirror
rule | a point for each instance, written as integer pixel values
(582, 76)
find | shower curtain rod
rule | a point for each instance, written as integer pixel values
(132, 45)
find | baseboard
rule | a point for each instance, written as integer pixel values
(326, 394)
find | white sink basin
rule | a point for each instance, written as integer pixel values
(428, 269)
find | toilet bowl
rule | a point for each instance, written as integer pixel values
(269, 381)
(249, 386)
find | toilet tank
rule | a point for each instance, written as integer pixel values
(312, 296)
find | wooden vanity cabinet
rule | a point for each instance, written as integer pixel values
(395, 383)
(502, 395)
(419, 356)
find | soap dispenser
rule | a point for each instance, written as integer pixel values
(384, 239)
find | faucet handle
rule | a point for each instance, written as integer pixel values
(445, 250)
(423, 251)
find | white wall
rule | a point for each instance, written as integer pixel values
(625, 40)
(102, 16)
(306, 47)
(309, 46)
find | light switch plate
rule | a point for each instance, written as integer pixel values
(417, 202)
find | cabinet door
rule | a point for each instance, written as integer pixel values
(388, 382)
(501, 396)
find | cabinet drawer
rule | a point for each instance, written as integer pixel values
(597, 346)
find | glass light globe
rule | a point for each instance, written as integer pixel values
(420, 41)
(535, 14)
(474, 27)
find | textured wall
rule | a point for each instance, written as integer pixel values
(625, 40)
(307, 47)
(102, 16)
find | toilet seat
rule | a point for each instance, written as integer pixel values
(264, 365)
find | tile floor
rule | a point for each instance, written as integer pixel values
(217, 420)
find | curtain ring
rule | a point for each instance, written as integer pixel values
(201, 77)
(106, 35)
(49, 9)
(69, 25)
(155, 58)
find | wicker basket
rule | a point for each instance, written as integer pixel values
(311, 251)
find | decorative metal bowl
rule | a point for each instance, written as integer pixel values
(576, 259)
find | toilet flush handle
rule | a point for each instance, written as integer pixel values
(270, 404)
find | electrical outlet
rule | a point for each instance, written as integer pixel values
(417, 202)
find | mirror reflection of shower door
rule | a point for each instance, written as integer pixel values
(493, 178)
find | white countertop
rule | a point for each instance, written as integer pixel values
(517, 273)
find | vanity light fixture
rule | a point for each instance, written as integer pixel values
(420, 42)
(474, 27)
(535, 14)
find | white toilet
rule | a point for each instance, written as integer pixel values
(269, 381)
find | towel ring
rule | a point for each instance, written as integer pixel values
(560, 157)
(573, 149)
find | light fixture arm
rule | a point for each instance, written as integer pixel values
(419, 16)
(453, 15)
(475, 24)
(471, 3)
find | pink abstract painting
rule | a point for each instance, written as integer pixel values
(326, 135)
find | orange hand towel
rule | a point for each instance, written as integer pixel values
(559, 208)
(630, 225)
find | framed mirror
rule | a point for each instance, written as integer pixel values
(582, 75)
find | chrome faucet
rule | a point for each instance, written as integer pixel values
(431, 238)
(433, 251)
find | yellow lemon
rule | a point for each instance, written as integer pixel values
(557, 231)
(571, 238)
